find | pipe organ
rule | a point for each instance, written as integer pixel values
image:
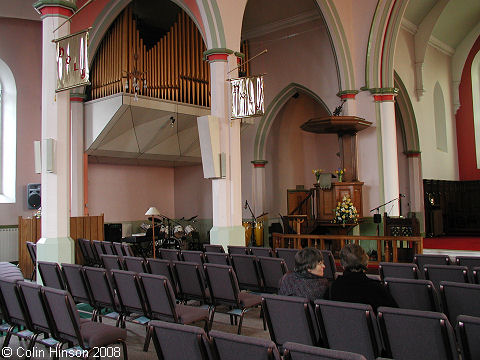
(173, 69)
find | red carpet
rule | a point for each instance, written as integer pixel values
(453, 243)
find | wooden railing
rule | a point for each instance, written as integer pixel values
(384, 244)
(29, 229)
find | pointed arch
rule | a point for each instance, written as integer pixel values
(273, 108)
(408, 121)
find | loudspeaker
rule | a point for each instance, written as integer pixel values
(34, 200)
(209, 135)
(377, 218)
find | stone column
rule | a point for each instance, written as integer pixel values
(385, 99)
(226, 192)
(55, 244)
(78, 153)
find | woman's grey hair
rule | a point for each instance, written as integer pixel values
(353, 258)
(307, 259)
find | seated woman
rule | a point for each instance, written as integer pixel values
(354, 285)
(307, 280)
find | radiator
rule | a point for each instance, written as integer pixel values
(9, 244)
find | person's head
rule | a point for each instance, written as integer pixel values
(353, 258)
(311, 260)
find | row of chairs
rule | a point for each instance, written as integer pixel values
(52, 319)
(400, 334)
(93, 250)
(217, 345)
(96, 286)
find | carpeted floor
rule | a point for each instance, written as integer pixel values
(469, 243)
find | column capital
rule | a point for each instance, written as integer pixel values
(347, 94)
(61, 8)
(217, 54)
(77, 97)
(259, 163)
(384, 94)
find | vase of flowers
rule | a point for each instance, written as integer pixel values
(340, 173)
(317, 173)
(345, 212)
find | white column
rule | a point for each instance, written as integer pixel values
(55, 243)
(350, 105)
(226, 192)
(77, 176)
(391, 188)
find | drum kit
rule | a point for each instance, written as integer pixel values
(174, 233)
(253, 228)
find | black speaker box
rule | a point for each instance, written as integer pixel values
(34, 200)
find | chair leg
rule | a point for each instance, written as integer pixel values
(240, 322)
(148, 336)
(211, 315)
(124, 346)
(31, 344)
(8, 336)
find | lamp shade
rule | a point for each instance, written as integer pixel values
(152, 211)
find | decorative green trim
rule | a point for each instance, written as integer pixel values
(259, 162)
(383, 91)
(409, 121)
(78, 95)
(208, 52)
(412, 152)
(63, 3)
(347, 92)
(219, 23)
(211, 24)
(8, 226)
(239, 54)
(272, 110)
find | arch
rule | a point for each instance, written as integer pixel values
(8, 143)
(381, 44)
(475, 78)
(273, 108)
(338, 40)
(408, 121)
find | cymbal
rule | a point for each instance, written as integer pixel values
(259, 216)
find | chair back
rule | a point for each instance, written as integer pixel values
(423, 259)
(460, 299)
(414, 294)
(127, 250)
(109, 248)
(349, 327)
(159, 297)
(476, 274)
(112, 262)
(34, 305)
(239, 250)
(261, 251)
(453, 273)
(414, 334)
(129, 293)
(135, 264)
(246, 269)
(470, 262)
(167, 337)
(193, 256)
(468, 333)
(213, 248)
(88, 254)
(100, 287)
(290, 318)
(398, 270)
(191, 285)
(163, 267)
(288, 255)
(10, 302)
(271, 271)
(32, 250)
(98, 249)
(51, 274)
(294, 351)
(118, 247)
(170, 254)
(219, 258)
(223, 284)
(330, 268)
(76, 283)
(61, 309)
(238, 347)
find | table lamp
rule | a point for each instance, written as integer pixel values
(153, 211)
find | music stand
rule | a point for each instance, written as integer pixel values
(153, 211)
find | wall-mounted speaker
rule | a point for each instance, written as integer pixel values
(34, 200)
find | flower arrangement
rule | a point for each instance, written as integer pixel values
(317, 173)
(345, 212)
(340, 173)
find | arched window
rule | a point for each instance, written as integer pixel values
(440, 119)
(8, 134)
(475, 73)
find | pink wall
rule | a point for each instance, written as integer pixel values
(193, 193)
(292, 153)
(21, 50)
(124, 193)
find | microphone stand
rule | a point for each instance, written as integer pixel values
(252, 236)
(377, 209)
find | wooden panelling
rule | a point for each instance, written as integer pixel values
(88, 227)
